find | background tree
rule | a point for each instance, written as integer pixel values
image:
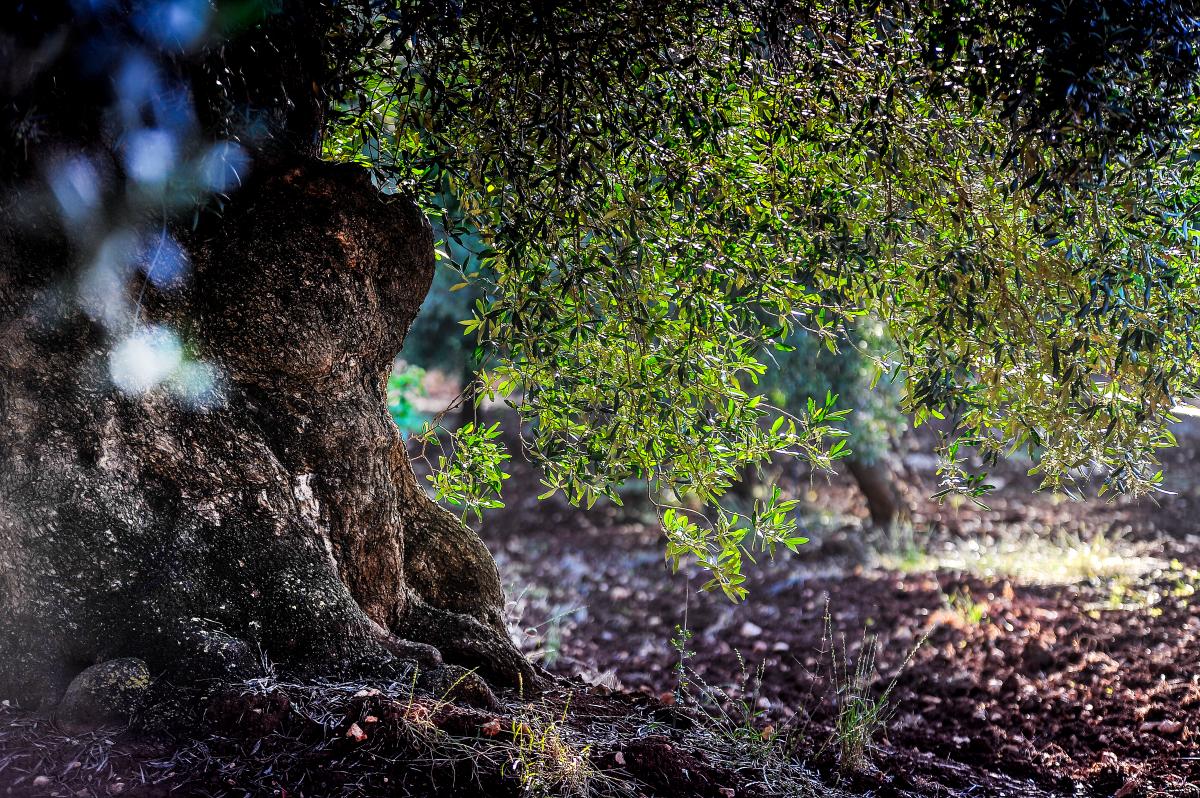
(195, 454)
(856, 372)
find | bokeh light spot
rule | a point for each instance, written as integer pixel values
(102, 287)
(144, 359)
(224, 166)
(150, 156)
(164, 262)
(198, 384)
(175, 24)
(136, 83)
(75, 184)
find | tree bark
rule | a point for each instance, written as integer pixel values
(286, 518)
(874, 480)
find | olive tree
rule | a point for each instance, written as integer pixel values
(215, 238)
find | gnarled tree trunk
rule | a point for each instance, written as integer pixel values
(284, 518)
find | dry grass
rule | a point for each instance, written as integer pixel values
(547, 760)
(345, 740)
(862, 711)
(1060, 559)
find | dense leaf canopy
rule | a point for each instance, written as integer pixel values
(665, 192)
(653, 197)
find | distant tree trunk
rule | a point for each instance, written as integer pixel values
(287, 518)
(875, 482)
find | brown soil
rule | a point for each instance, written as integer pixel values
(1088, 687)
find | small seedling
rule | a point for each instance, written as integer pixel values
(964, 606)
(679, 642)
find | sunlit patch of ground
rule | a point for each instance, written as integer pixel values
(1059, 559)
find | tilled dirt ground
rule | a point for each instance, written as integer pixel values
(1042, 647)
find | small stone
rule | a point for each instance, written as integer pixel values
(419, 713)
(1128, 788)
(727, 792)
(105, 693)
(41, 781)
(356, 733)
(619, 759)
(750, 629)
(1170, 727)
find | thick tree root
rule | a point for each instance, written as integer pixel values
(467, 641)
(425, 656)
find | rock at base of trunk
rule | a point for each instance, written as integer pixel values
(107, 693)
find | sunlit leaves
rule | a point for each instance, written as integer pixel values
(721, 543)
(470, 475)
(653, 215)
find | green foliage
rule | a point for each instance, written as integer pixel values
(964, 606)
(1092, 77)
(656, 196)
(470, 476)
(720, 545)
(404, 383)
(858, 371)
(436, 339)
(1018, 307)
